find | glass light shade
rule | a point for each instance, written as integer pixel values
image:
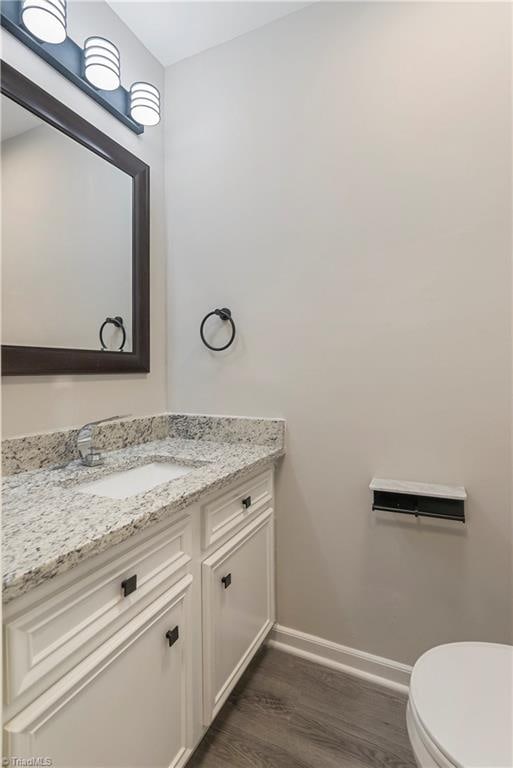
(45, 19)
(144, 103)
(102, 68)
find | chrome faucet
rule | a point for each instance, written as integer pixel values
(89, 455)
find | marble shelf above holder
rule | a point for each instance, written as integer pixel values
(456, 492)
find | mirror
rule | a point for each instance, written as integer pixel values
(66, 239)
(74, 241)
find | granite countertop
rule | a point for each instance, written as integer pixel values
(49, 526)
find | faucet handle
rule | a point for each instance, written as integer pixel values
(93, 458)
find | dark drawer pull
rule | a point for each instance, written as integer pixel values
(172, 635)
(129, 585)
(246, 503)
(227, 580)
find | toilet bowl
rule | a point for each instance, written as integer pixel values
(460, 707)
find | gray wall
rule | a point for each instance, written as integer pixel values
(31, 404)
(341, 180)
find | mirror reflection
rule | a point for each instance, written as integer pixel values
(66, 240)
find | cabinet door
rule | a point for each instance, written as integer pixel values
(238, 608)
(125, 705)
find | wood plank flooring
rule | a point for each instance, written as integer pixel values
(287, 712)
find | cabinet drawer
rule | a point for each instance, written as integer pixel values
(238, 608)
(126, 704)
(221, 516)
(105, 591)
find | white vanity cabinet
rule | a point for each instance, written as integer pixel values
(96, 677)
(238, 608)
(123, 705)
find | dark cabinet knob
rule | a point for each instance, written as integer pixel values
(246, 503)
(172, 636)
(227, 580)
(129, 585)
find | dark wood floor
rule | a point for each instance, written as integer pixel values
(290, 713)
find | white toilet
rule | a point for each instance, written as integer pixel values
(460, 708)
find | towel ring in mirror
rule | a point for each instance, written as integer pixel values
(118, 323)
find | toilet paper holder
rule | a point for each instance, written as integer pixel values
(442, 502)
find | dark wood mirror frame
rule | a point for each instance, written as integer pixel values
(24, 361)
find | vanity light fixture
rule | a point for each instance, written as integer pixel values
(101, 63)
(144, 103)
(95, 69)
(45, 19)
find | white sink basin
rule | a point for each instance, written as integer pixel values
(130, 482)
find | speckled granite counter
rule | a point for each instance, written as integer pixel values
(49, 526)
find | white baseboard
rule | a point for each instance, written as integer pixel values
(385, 672)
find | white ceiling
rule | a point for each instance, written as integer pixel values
(175, 30)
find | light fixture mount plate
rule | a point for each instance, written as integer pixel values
(68, 59)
